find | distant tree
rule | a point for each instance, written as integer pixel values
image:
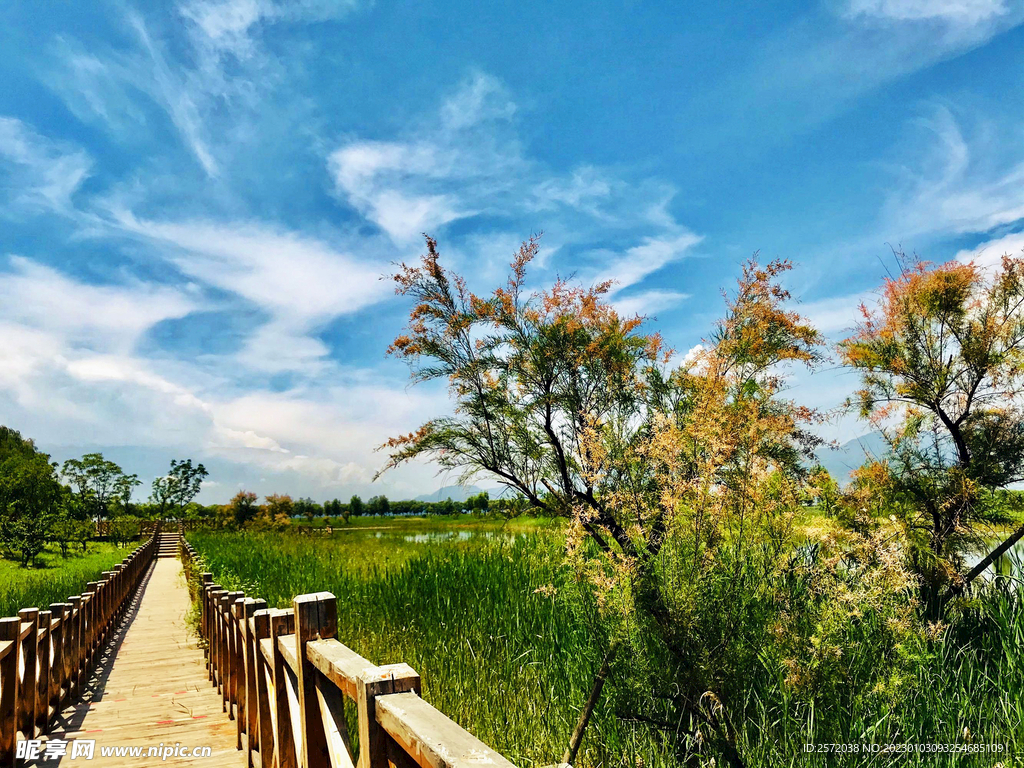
(101, 484)
(175, 490)
(124, 529)
(68, 529)
(341, 511)
(243, 508)
(30, 496)
(941, 357)
(279, 508)
(356, 507)
(823, 490)
(378, 505)
(307, 508)
(480, 502)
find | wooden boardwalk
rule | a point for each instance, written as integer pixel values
(115, 670)
(151, 686)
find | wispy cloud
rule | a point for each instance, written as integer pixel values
(969, 12)
(298, 281)
(818, 65)
(41, 174)
(956, 182)
(467, 160)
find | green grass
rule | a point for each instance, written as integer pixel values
(56, 578)
(514, 666)
(504, 661)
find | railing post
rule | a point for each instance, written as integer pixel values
(213, 627)
(227, 686)
(282, 622)
(316, 618)
(237, 609)
(252, 669)
(373, 743)
(58, 611)
(207, 580)
(43, 678)
(27, 707)
(109, 600)
(72, 644)
(261, 631)
(95, 622)
(10, 630)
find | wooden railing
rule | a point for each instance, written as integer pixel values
(46, 656)
(286, 679)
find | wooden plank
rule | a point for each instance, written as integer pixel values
(430, 738)
(339, 664)
(331, 702)
(156, 688)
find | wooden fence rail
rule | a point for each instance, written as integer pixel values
(46, 656)
(286, 680)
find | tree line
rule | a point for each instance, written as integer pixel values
(43, 502)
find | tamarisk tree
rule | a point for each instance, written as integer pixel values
(941, 356)
(579, 411)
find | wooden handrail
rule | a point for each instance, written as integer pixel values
(284, 678)
(46, 656)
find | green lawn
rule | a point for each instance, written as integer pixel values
(55, 578)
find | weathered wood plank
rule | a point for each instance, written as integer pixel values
(430, 738)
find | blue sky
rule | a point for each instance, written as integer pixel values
(199, 199)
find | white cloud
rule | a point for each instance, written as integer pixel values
(963, 11)
(97, 317)
(481, 99)
(837, 315)
(817, 65)
(301, 282)
(645, 259)
(990, 253)
(228, 24)
(648, 302)
(467, 161)
(43, 174)
(960, 183)
(179, 100)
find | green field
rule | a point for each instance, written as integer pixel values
(55, 578)
(512, 665)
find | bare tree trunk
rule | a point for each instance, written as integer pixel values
(976, 571)
(588, 708)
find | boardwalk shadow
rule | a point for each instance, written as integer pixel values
(69, 720)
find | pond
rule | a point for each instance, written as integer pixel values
(1010, 563)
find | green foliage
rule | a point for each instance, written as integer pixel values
(941, 360)
(101, 485)
(243, 508)
(30, 496)
(175, 490)
(68, 529)
(125, 528)
(307, 508)
(356, 506)
(378, 505)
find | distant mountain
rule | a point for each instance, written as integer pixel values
(847, 457)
